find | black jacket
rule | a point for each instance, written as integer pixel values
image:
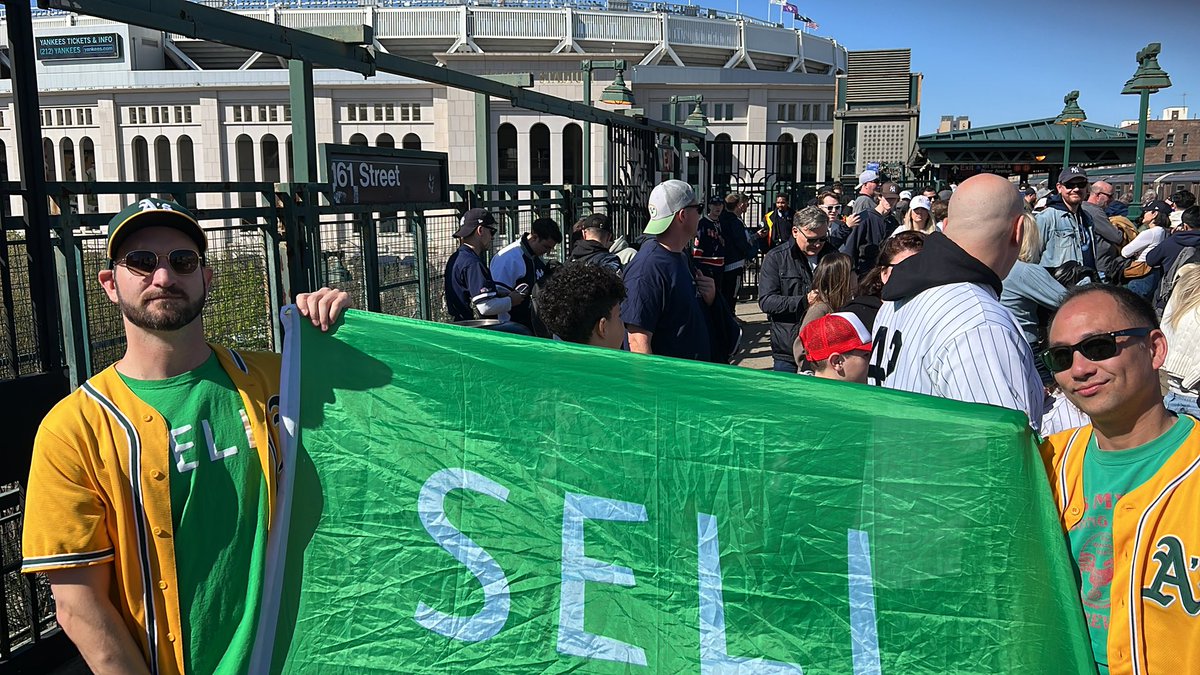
(595, 253)
(783, 285)
(737, 244)
(940, 263)
(1163, 255)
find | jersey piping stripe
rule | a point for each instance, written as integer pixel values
(1135, 589)
(66, 560)
(1063, 497)
(139, 517)
(237, 359)
(484, 296)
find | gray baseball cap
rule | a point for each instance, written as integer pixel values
(667, 199)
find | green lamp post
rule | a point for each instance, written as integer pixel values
(1148, 79)
(1071, 115)
(617, 93)
(696, 120)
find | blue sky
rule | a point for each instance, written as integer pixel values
(1013, 61)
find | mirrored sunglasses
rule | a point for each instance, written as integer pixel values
(143, 263)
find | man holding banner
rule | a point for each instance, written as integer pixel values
(153, 484)
(1127, 487)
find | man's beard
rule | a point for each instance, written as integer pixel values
(171, 315)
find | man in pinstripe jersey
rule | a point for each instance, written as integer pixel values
(151, 485)
(1127, 486)
(942, 330)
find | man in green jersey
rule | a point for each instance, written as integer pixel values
(152, 485)
(1127, 486)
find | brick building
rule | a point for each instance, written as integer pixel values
(1179, 137)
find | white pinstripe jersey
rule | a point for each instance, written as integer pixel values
(956, 341)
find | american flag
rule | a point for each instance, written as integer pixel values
(810, 24)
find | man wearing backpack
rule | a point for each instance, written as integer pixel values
(1179, 248)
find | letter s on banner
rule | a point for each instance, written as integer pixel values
(431, 507)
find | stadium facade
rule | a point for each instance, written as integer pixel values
(121, 102)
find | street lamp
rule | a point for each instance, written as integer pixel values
(617, 93)
(1148, 79)
(1071, 115)
(696, 120)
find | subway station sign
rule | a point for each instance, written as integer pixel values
(85, 46)
(365, 175)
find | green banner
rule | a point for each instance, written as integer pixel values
(460, 500)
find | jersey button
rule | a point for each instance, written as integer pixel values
(1074, 510)
(162, 585)
(147, 418)
(159, 532)
(157, 475)
(171, 637)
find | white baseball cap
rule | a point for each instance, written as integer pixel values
(920, 202)
(867, 176)
(667, 199)
(906, 194)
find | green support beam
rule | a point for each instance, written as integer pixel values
(198, 21)
(483, 124)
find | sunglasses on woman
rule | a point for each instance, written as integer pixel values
(1094, 348)
(143, 263)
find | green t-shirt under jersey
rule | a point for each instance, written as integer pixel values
(1108, 476)
(219, 510)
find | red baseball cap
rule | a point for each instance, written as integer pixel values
(840, 332)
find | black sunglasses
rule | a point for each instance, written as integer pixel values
(1094, 348)
(815, 240)
(143, 263)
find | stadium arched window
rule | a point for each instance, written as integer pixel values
(411, 142)
(572, 158)
(162, 159)
(51, 165)
(506, 153)
(539, 154)
(187, 165)
(385, 141)
(722, 161)
(808, 159)
(270, 158)
(358, 139)
(785, 158)
(243, 149)
(829, 158)
(141, 162)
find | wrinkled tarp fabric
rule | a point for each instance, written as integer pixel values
(539, 500)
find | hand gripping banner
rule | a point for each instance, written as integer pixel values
(456, 500)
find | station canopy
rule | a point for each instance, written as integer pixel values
(1022, 148)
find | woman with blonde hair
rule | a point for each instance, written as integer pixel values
(1181, 325)
(918, 218)
(1031, 292)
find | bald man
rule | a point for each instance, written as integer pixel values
(942, 330)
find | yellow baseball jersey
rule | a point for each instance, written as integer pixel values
(99, 493)
(1154, 625)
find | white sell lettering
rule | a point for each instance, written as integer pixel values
(577, 569)
(213, 453)
(431, 508)
(714, 652)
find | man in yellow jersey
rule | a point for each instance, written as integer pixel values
(1127, 486)
(152, 485)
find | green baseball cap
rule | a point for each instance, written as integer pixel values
(153, 212)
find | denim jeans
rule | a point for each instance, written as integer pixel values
(1145, 286)
(783, 366)
(1182, 404)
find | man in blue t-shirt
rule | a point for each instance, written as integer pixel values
(664, 311)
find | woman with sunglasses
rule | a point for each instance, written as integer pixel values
(1140, 277)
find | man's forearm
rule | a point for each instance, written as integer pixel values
(89, 618)
(639, 342)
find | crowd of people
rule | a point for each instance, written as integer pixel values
(1052, 304)
(1064, 311)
